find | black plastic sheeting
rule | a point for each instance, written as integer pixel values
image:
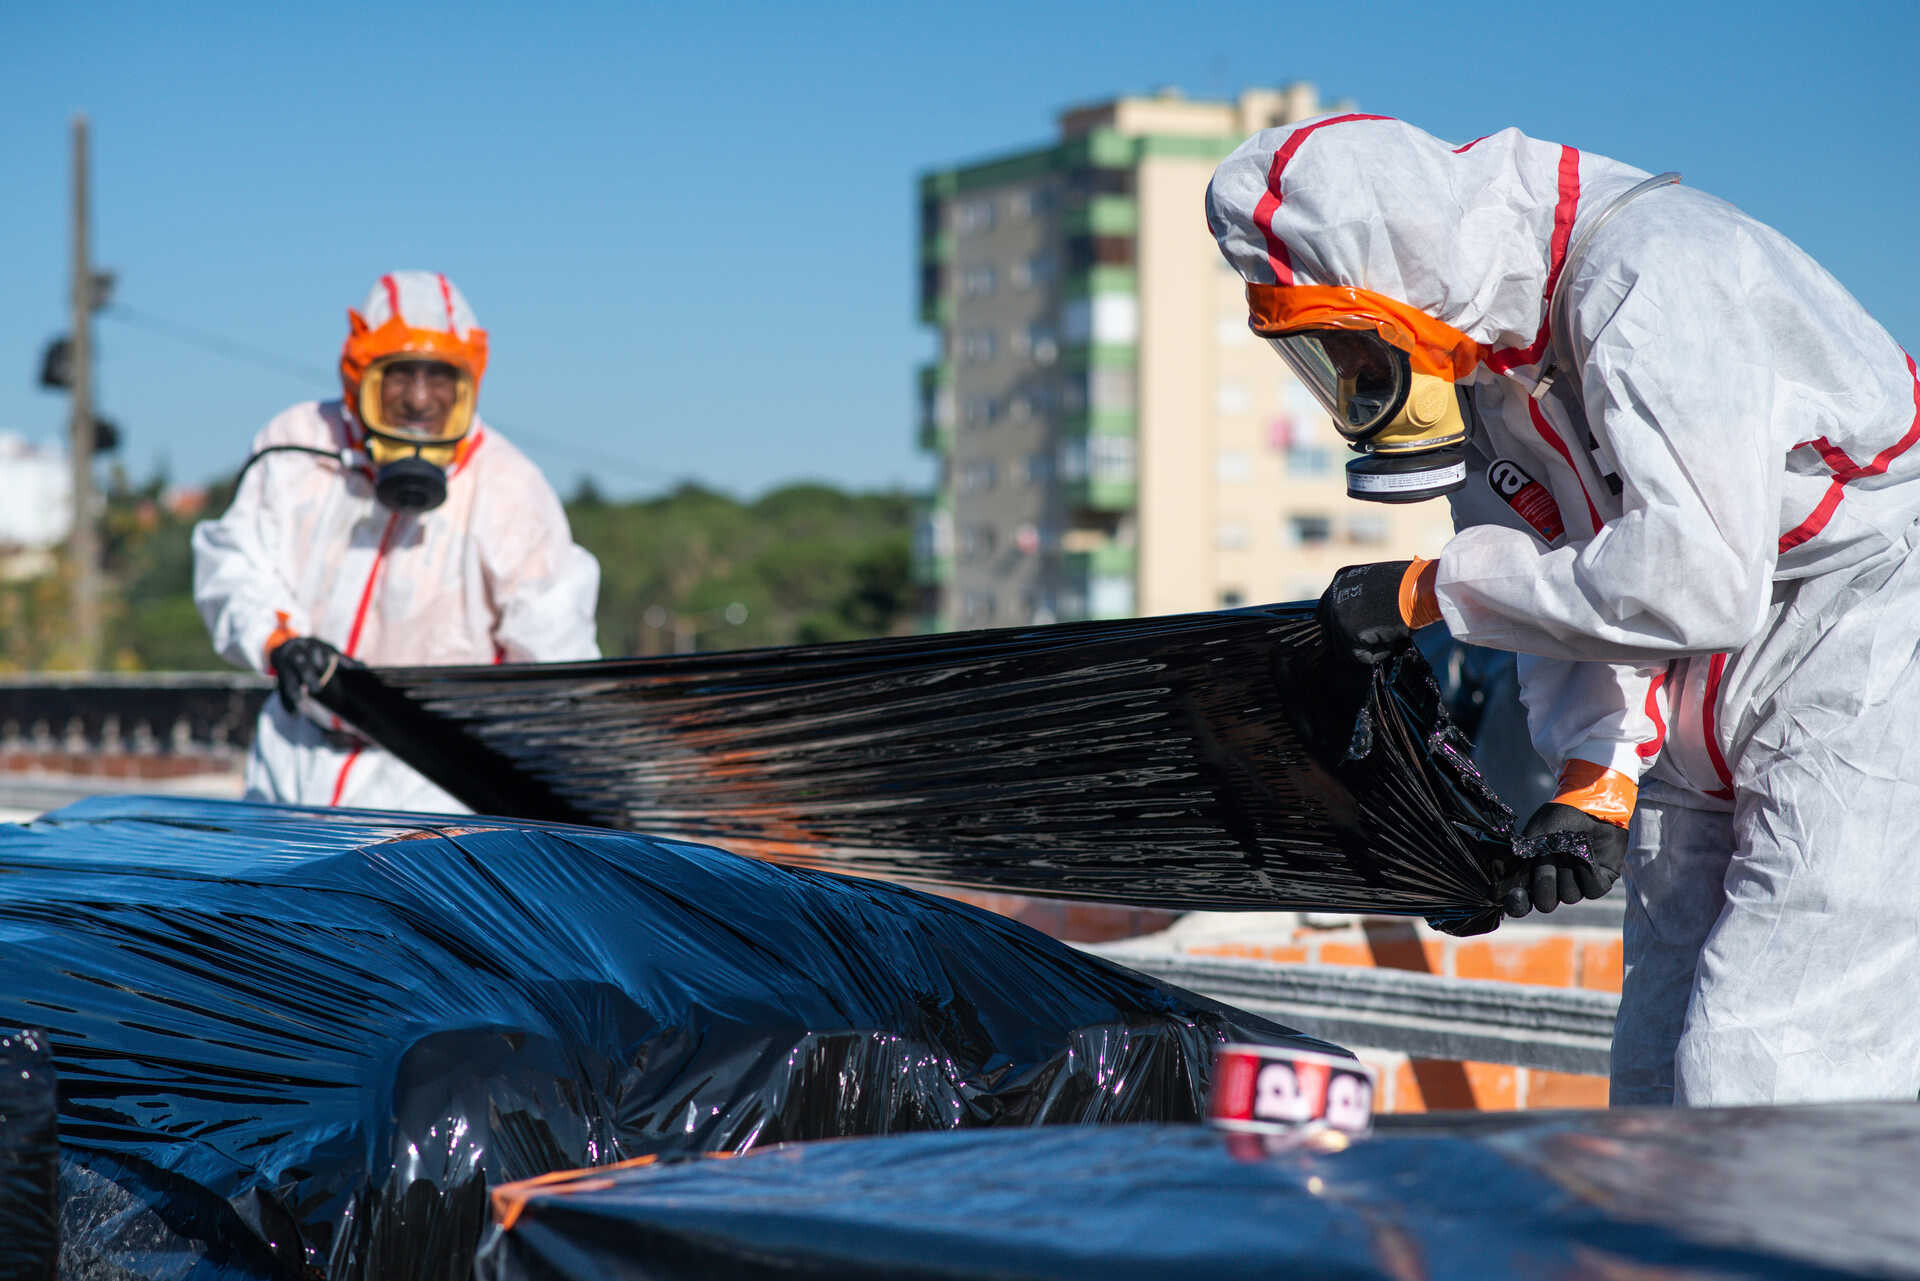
(29, 1157)
(1199, 761)
(1640, 1195)
(297, 1039)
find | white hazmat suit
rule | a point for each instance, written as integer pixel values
(490, 575)
(1700, 538)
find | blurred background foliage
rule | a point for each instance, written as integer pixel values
(689, 569)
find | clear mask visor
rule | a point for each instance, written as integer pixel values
(1360, 377)
(409, 400)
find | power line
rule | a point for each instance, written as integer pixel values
(245, 353)
(248, 354)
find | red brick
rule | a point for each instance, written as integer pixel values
(1600, 966)
(1445, 1085)
(1565, 1090)
(1280, 953)
(1547, 960)
(1348, 952)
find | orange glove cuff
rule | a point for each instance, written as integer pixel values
(1419, 606)
(1606, 794)
(281, 635)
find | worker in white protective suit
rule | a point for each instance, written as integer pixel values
(1680, 461)
(391, 527)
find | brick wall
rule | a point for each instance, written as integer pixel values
(114, 765)
(1541, 954)
(1067, 920)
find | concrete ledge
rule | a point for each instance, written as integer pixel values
(1422, 1015)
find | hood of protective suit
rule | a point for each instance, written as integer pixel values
(1473, 236)
(413, 313)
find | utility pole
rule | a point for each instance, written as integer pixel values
(84, 546)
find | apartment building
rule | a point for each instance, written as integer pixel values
(1112, 440)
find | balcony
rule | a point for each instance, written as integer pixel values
(1101, 580)
(1104, 494)
(1103, 215)
(936, 407)
(931, 571)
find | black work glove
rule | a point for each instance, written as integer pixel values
(303, 666)
(1359, 613)
(1566, 855)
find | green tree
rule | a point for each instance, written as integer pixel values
(809, 562)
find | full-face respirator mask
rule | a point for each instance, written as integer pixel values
(1389, 376)
(412, 390)
(411, 455)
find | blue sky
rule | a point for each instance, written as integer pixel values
(690, 229)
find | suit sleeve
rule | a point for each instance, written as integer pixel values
(545, 587)
(1611, 714)
(1606, 713)
(239, 584)
(1674, 383)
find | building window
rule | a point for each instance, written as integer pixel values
(1230, 397)
(1038, 469)
(933, 535)
(974, 216)
(1232, 329)
(1230, 536)
(977, 542)
(980, 411)
(1309, 531)
(976, 282)
(1110, 458)
(1368, 531)
(976, 609)
(1309, 461)
(937, 404)
(1034, 272)
(1101, 182)
(1232, 598)
(1233, 467)
(1073, 396)
(1073, 459)
(1033, 202)
(976, 346)
(1303, 432)
(1038, 343)
(1110, 596)
(1111, 388)
(1084, 252)
(1112, 319)
(974, 477)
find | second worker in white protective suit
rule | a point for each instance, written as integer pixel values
(392, 527)
(1680, 458)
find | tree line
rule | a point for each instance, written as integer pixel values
(690, 568)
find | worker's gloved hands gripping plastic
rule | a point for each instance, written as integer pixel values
(1369, 612)
(303, 665)
(1574, 846)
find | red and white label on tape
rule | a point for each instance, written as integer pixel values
(1269, 1089)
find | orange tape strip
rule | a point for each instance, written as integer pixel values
(1419, 606)
(1607, 794)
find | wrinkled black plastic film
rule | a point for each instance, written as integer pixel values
(1204, 760)
(29, 1157)
(297, 1039)
(1772, 1194)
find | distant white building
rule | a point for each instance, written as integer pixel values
(38, 511)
